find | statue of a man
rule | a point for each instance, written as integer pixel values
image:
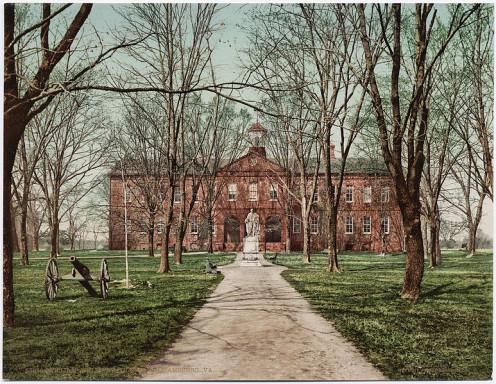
(252, 224)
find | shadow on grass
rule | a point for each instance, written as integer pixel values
(174, 304)
(440, 290)
(436, 291)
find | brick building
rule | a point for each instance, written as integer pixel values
(369, 217)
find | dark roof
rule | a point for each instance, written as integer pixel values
(359, 165)
(353, 165)
(256, 127)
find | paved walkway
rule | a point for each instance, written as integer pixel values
(255, 326)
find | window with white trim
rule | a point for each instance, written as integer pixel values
(194, 224)
(252, 192)
(349, 193)
(349, 224)
(273, 191)
(232, 191)
(385, 224)
(160, 225)
(367, 228)
(296, 225)
(385, 194)
(367, 194)
(194, 195)
(212, 223)
(127, 227)
(144, 224)
(128, 194)
(314, 224)
(177, 195)
(315, 197)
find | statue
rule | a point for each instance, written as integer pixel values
(252, 224)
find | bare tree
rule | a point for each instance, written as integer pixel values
(20, 106)
(36, 218)
(467, 197)
(175, 49)
(141, 144)
(407, 127)
(221, 142)
(332, 50)
(449, 229)
(323, 82)
(441, 148)
(279, 146)
(77, 222)
(73, 153)
(477, 52)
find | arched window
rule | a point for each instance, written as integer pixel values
(273, 229)
(231, 229)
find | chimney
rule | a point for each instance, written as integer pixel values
(332, 151)
(259, 150)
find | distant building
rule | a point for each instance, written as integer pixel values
(369, 217)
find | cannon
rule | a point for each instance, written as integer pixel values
(81, 273)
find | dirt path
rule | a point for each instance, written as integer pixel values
(255, 326)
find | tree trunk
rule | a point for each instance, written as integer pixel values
(151, 233)
(425, 237)
(8, 281)
(432, 258)
(14, 239)
(474, 225)
(178, 247)
(164, 254)
(210, 245)
(14, 125)
(438, 234)
(414, 252)
(71, 242)
(36, 240)
(306, 241)
(24, 256)
(472, 233)
(434, 224)
(54, 237)
(332, 265)
(288, 233)
(150, 243)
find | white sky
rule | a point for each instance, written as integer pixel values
(227, 53)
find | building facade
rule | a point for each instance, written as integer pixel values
(369, 218)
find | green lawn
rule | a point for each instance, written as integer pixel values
(445, 335)
(78, 337)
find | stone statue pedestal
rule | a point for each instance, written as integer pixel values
(250, 252)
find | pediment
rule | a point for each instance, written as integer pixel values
(252, 162)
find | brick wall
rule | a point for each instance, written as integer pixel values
(230, 214)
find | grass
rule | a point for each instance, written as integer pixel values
(444, 335)
(78, 337)
(96, 253)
